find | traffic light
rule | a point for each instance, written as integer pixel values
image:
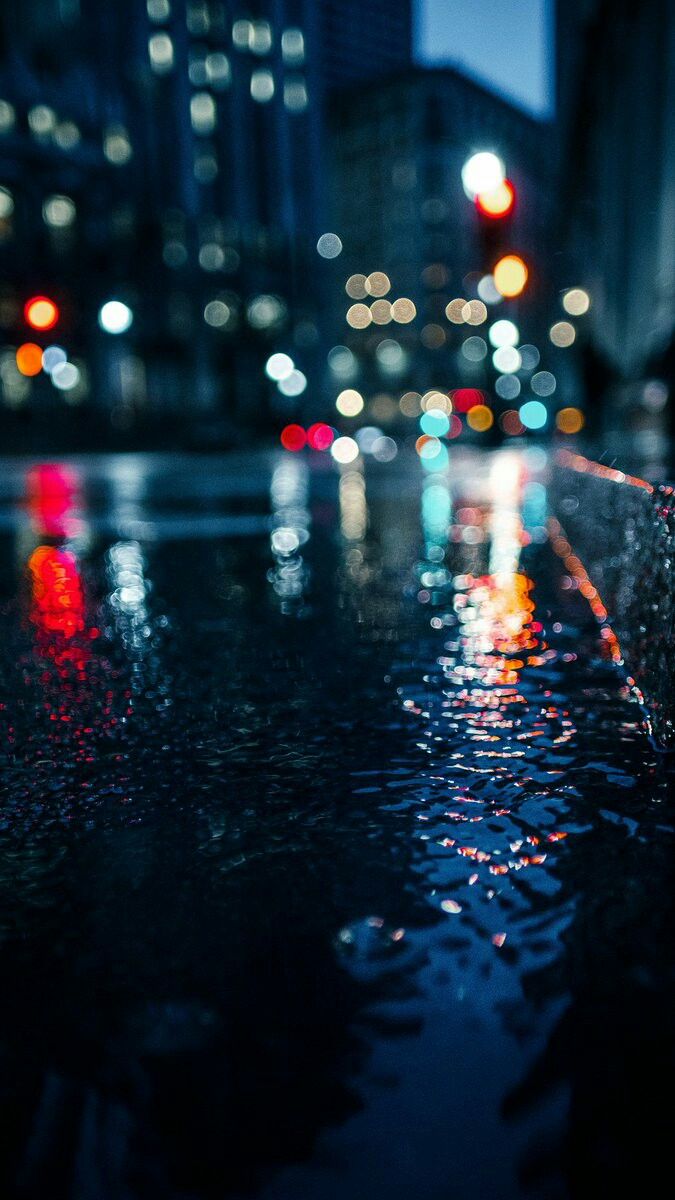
(41, 313)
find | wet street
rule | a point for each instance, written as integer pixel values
(336, 861)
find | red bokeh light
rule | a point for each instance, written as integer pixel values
(320, 436)
(498, 203)
(293, 437)
(464, 399)
(58, 601)
(40, 312)
(51, 495)
(455, 426)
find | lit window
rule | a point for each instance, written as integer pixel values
(160, 49)
(7, 116)
(67, 135)
(6, 203)
(241, 34)
(197, 18)
(41, 120)
(218, 70)
(293, 47)
(203, 112)
(158, 10)
(58, 212)
(116, 145)
(295, 94)
(262, 86)
(260, 37)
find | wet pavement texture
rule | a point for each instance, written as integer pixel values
(335, 858)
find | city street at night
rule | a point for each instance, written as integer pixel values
(337, 599)
(336, 859)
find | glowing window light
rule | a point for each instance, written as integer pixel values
(241, 33)
(480, 418)
(533, 414)
(576, 302)
(29, 359)
(6, 203)
(562, 333)
(504, 333)
(377, 283)
(58, 212)
(482, 172)
(570, 420)
(7, 116)
(41, 313)
(506, 360)
(293, 384)
(498, 202)
(262, 86)
(293, 47)
(116, 145)
(349, 402)
(293, 437)
(279, 366)
(203, 112)
(260, 37)
(344, 450)
(329, 245)
(160, 51)
(510, 275)
(218, 70)
(115, 317)
(296, 97)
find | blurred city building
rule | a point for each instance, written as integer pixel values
(399, 147)
(616, 212)
(170, 155)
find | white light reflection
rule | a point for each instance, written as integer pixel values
(289, 490)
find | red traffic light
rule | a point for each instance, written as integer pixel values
(40, 312)
(497, 203)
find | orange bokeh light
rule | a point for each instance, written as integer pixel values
(29, 359)
(570, 420)
(41, 312)
(510, 275)
(497, 203)
(480, 418)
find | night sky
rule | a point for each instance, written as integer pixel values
(505, 44)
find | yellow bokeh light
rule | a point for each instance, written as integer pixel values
(356, 287)
(570, 420)
(480, 418)
(455, 309)
(510, 275)
(474, 312)
(403, 310)
(380, 312)
(359, 316)
(562, 333)
(377, 283)
(349, 403)
(576, 302)
(436, 399)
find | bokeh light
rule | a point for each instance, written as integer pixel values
(115, 317)
(29, 359)
(293, 437)
(482, 172)
(320, 436)
(562, 333)
(543, 383)
(349, 402)
(576, 302)
(480, 418)
(533, 414)
(344, 450)
(41, 313)
(570, 420)
(329, 245)
(359, 316)
(507, 387)
(498, 202)
(403, 310)
(279, 366)
(506, 359)
(377, 283)
(511, 423)
(510, 275)
(504, 333)
(435, 422)
(464, 399)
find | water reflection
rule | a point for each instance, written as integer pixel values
(326, 907)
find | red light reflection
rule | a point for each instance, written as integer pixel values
(58, 600)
